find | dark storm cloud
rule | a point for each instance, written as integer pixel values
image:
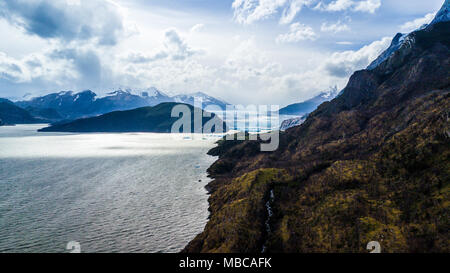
(67, 22)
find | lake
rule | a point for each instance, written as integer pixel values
(138, 192)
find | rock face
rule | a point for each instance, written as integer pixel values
(396, 43)
(401, 40)
(289, 123)
(371, 165)
(155, 119)
(443, 14)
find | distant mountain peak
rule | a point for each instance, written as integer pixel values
(199, 94)
(307, 106)
(330, 94)
(443, 14)
(400, 39)
(206, 99)
(153, 92)
(119, 92)
(396, 43)
(65, 93)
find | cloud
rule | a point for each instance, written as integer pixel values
(249, 74)
(343, 64)
(247, 61)
(141, 58)
(66, 20)
(335, 28)
(344, 43)
(249, 11)
(339, 5)
(415, 24)
(173, 47)
(369, 6)
(11, 69)
(297, 32)
(86, 63)
(197, 28)
(294, 7)
(34, 68)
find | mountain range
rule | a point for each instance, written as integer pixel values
(370, 165)
(68, 105)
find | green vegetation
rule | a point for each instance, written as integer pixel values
(371, 165)
(238, 213)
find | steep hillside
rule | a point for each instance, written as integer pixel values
(371, 165)
(11, 114)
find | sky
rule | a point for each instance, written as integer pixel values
(242, 51)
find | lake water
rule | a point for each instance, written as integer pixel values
(109, 192)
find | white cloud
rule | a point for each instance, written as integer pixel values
(415, 24)
(335, 28)
(344, 43)
(197, 28)
(369, 6)
(339, 5)
(343, 64)
(297, 32)
(67, 21)
(294, 7)
(35, 67)
(174, 47)
(249, 11)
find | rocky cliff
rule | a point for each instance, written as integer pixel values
(371, 165)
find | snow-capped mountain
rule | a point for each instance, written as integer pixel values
(401, 40)
(154, 96)
(71, 105)
(397, 42)
(443, 14)
(302, 108)
(289, 123)
(67, 103)
(205, 99)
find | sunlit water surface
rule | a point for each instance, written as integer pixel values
(109, 192)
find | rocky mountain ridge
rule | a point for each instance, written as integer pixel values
(371, 165)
